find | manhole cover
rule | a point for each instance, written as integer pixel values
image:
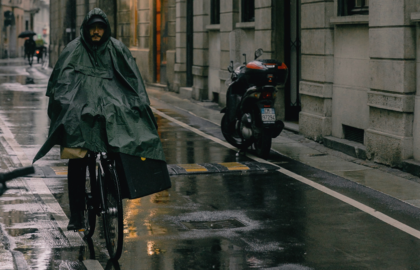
(216, 225)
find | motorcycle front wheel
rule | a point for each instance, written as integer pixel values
(263, 145)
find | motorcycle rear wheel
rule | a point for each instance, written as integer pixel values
(263, 145)
(227, 131)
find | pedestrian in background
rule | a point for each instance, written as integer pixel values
(30, 49)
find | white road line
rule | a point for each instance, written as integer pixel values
(393, 222)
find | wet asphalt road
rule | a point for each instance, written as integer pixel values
(232, 220)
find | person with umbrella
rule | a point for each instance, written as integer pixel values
(30, 49)
(29, 44)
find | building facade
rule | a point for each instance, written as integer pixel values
(41, 21)
(186, 46)
(359, 76)
(353, 63)
(16, 16)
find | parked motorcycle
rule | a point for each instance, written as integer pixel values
(250, 117)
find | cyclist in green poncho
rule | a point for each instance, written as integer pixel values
(98, 102)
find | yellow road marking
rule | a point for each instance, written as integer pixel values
(60, 170)
(235, 166)
(193, 167)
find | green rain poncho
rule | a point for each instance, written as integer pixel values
(98, 100)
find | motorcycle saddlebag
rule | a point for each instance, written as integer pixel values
(140, 177)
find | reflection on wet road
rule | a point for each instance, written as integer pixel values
(229, 220)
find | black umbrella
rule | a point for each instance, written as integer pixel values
(27, 33)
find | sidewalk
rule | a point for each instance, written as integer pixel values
(392, 182)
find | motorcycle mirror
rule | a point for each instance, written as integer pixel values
(258, 53)
(230, 69)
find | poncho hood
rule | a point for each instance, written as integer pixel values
(98, 101)
(84, 30)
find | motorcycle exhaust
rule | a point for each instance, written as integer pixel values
(246, 129)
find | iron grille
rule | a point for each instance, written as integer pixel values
(354, 134)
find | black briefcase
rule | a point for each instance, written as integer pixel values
(141, 177)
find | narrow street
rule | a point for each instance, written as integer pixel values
(222, 212)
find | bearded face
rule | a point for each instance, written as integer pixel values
(96, 31)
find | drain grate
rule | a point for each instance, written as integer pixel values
(354, 134)
(215, 225)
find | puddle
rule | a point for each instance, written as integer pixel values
(13, 79)
(19, 232)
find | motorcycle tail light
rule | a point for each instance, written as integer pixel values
(283, 66)
(37, 51)
(266, 95)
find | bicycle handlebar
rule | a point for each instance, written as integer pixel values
(16, 173)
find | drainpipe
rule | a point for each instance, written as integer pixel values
(2, 28)
(115, 18)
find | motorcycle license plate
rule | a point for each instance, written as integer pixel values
(268, 115)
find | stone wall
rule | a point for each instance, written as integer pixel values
(365, 67)
(180, 67)
(201, 49)
(60, 20)
(316, 86)
(389, 138)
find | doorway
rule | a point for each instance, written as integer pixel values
(292, 58)
(190, 40)
(161, 40)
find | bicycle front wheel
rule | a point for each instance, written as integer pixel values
(112, 214)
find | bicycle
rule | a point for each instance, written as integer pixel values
(103, 198)
(20, 172)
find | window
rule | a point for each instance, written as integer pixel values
(248, 11)
(353, 7)
(215, 12)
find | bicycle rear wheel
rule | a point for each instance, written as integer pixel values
(112, 211)
(91, 205)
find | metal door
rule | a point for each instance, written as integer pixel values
(190, 40)
(293, 59)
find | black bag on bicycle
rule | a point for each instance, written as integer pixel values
(140, 177)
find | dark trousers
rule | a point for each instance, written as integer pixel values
(30, 58)
(77, 181)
